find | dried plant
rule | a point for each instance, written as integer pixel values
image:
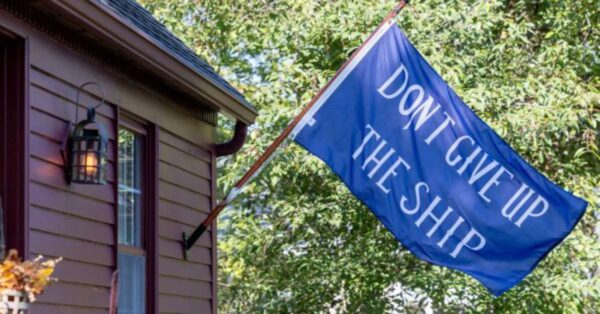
(30, 276)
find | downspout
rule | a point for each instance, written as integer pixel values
(236, 142)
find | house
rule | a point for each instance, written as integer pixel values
(158, 104)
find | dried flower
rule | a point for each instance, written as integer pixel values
(30, 276)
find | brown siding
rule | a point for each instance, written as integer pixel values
(76, 221)
(185, 189)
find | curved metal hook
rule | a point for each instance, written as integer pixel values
(77, 98)
(91, 83)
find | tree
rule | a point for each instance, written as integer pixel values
(297, 241)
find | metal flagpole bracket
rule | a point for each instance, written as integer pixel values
(189, 241)
(186, 247)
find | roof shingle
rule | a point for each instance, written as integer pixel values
(137, 15)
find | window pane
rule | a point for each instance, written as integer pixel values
(132, 282)
(130, 232)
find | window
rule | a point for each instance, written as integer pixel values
(130, 189)
(132, 253)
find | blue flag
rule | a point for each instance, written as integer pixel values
(440, 179)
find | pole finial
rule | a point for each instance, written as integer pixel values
(396, 10)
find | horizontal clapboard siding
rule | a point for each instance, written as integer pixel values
(185, 189)
(65, 309)
(75, 221)
(181, 304)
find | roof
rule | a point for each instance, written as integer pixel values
(142, 19)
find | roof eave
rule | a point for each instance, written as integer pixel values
(139, 46)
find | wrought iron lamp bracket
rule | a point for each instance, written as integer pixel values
(70, 130)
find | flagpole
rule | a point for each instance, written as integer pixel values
(263, 160)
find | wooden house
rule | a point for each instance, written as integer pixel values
(158, 104)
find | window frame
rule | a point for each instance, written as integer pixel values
(149, 202)
(14, 140)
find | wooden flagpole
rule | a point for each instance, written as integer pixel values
(263, 160)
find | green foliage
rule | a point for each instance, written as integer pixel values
(299, 242)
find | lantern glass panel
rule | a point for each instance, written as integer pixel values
(89, 158)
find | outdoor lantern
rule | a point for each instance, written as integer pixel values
(88, 145)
